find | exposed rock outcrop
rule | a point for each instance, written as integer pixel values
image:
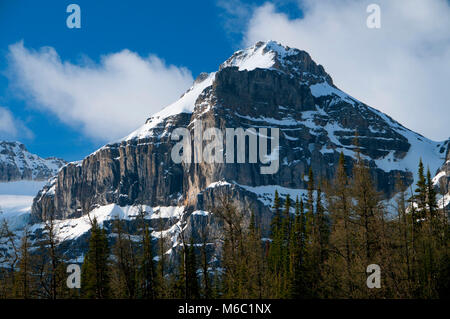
(265, 86)
(16, 163)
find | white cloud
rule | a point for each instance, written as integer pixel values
(107, 100)
(235, 15)
(402, 69)
(12, 128)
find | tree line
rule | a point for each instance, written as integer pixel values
(320, 246)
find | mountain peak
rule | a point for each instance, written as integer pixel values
(17, 163)
(273, 55)
(263, 55)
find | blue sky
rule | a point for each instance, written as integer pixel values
(174, 40)
(186, 34)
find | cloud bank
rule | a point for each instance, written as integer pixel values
(106, 100)
(402, 69)
(12, 128)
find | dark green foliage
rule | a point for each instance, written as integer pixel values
(95, 275)
(322, 251)
(147, 268)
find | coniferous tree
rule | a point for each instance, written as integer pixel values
(192, 287)
(232, 248)
(124, 263)
(310, 206)
(9, 259)
(369, 220)
(340, 274)
(298, 253)
(285, 241)
(162, 279)
(420, 197)
(309, 262)
(257, 270)
(276, 263)
(403, 275)
(50, 262)
(95, 277)
(323, 230)
(322, 233)
(207, 291)
(23, 281)
(180, 284)
(147, 274)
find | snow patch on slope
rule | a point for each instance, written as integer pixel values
(185, 104)
(218, 184)
(421, 148)
(262, 55)
(251, 59)
(438, 177)
(266, 193)
(69, 229)
(15, 210)
(16, 155)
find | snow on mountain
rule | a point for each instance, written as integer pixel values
(266, 85)
(421, 147)
(185, 104)
(15, 209)
(252, 58)
(16, 199)
(272, 55)
(70, 229)
(16, 163)
(266, 193)
(326, 120)
(263, 55)
(22, 175)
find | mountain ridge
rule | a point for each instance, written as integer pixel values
(17, 163)
(316, 120)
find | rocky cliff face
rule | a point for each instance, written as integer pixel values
(265, 86)
(16, 163)
(442, 179)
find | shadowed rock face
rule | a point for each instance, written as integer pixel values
(442, 178)
(267, 85)
(16, 164)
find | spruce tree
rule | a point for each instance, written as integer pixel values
(192, 287)
(180, 284)
(310, 205)
(256, 266)
(233, 255)
(162, 282)
(51, 263)
(298, 253)
(420, 194)
(147, 265)
(23, 277)
(95, 277)
(124, 263)
(207, 291)
(285, 241)
(369, 220)
(276, 220)
(323, 230)
(276, 246)
(340, 274)
(405, 269)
